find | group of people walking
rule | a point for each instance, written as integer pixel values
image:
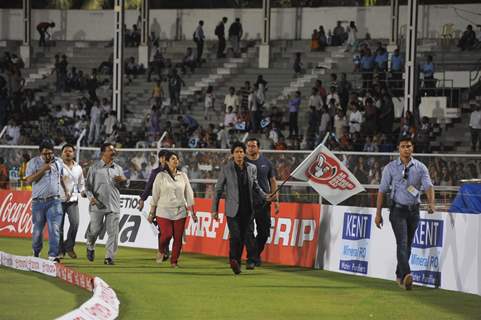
(247, 180)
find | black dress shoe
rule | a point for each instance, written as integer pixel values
(234, 265)
(90, 255)
(109, 261)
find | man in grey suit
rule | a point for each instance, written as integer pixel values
(238, 179)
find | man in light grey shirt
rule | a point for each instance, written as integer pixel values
(102, 188)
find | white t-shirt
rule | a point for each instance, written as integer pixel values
(230, 118)
(475, 120)
(316, 101)
(231, 100)
(355, 120)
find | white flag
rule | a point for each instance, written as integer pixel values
(328, 176)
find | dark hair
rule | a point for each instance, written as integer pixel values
(237, 144)
(45, 145)
(254, 139)
(405, 138)
(68, 145)
(170, 154)
(162, 153)
(104, 146)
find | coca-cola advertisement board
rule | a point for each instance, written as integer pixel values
(16, 214)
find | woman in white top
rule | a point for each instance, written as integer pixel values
(172, 197)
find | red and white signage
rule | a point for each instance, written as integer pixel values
(292, 241)
(324, 172)
(16, 214)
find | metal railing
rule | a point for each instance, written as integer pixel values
(203, 165)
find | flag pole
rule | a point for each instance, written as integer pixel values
(290, 175)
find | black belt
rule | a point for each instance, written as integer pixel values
(412, 207)
(46, 199)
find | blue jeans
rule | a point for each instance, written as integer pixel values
(404, 224)
(49, 212)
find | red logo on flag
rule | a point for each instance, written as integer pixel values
(326, 170)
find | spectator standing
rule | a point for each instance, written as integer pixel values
(344, 87)
(339, 35)
(42, 29)
(468, 39)
(232, 100)
(315, 99)
(315, 40)
(298, 70)
(209, 102)
(220, 34)
(199, 38)
(157, 93)
(428, 72)
(475, 125)
(4, 174)
(351, 36)
(397, 68)
(355, 119)
(322, 38)
(294, 105)
(175, 85)
(235, 35)
(95, 123)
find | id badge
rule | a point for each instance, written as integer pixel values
(413, 191)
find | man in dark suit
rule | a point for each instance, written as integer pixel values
(238, 179)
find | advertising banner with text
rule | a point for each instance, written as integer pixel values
(292, 241)
(446, 250)
(292, 238)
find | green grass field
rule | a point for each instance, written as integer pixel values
(205, 288)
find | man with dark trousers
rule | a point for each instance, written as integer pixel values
(266, 176)
(404, 178)
(239, 181)
(148, 192)
(199, 38)
(220, 33)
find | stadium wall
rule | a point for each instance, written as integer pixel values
(98, 25)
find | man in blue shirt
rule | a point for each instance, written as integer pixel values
(397, 68)
(45, 173)
(266, 176)
(428, 72)
(404, 178)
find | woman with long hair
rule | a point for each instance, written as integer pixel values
(172, 198)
